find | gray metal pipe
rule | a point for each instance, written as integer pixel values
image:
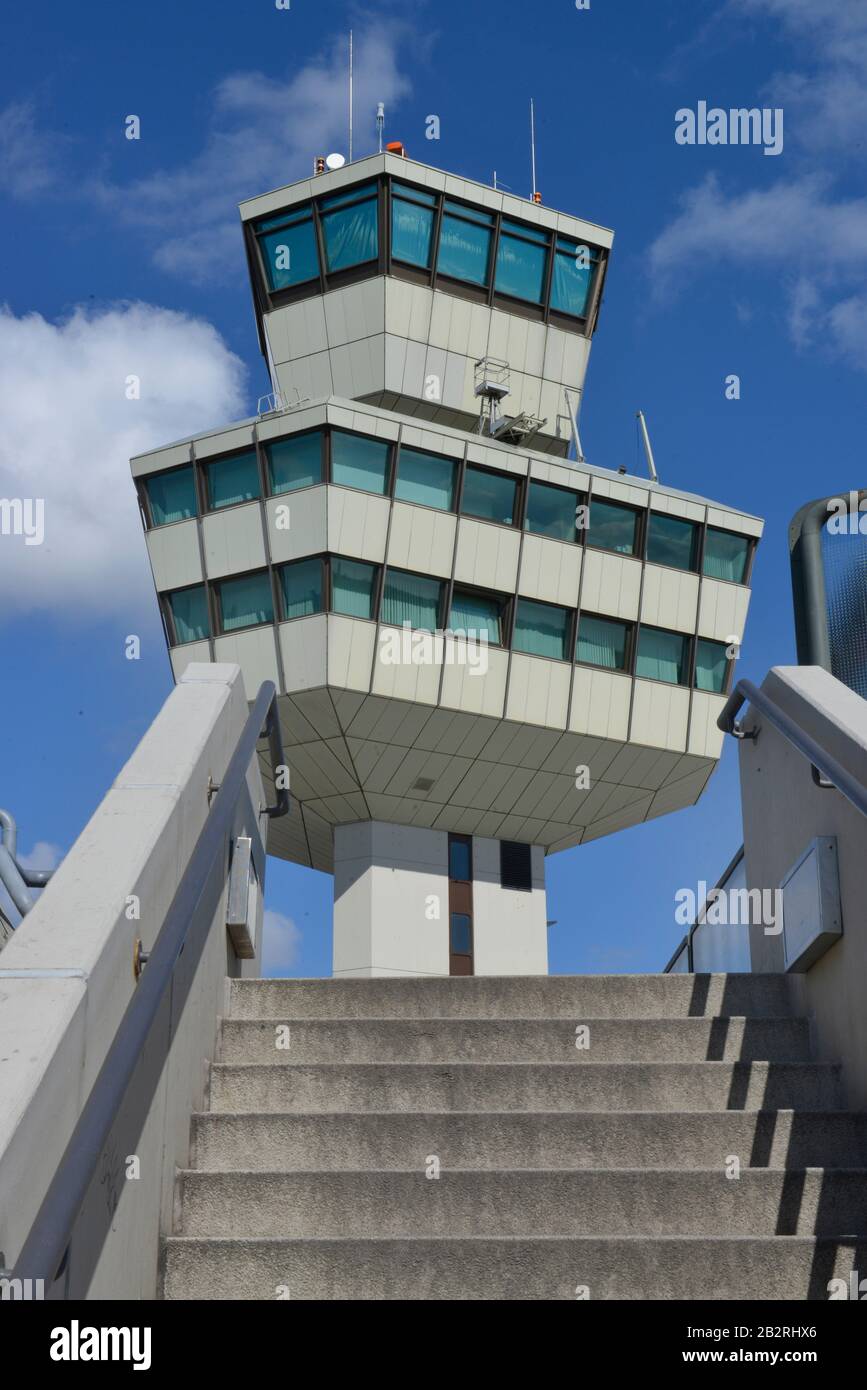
(8, 832)
(14, 884)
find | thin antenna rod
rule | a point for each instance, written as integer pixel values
(533, 143)
(350, 96)
(647, 449)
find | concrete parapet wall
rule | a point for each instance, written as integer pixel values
(67, 977)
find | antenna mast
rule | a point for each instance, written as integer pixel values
(533, 145)
(350, 96)
(380, 121)
(647, 449)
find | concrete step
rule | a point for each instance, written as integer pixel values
(574, 997)
(439, 1040)
(523, 1203)
(588, 1139)
(669, 1086)
(791, 1268)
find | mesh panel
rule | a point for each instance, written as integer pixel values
(845, 562)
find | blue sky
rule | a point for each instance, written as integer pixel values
(125, 257)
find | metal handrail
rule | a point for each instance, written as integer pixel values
(45, 1250)
(699, 922)
(835, 774)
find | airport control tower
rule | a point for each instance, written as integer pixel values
(486, 649)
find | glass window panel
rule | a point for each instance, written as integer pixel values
(489, 496)
(461, 934)
(295, 462)
(302, 588)
(552, 511)
(570, 288)
(290, 255)
(521, 269)
(349, 195)
(612, 528)
(406, 190)
(485, 219)
(359, 462)
(411, 232)
(711, 665)
(411, 598)
(460, 867)
(725, 555)
(533, 233)
(662, 656)
(246, 602)
(541, 629)
(426, 478)
(171, 496)
(602, 642)
(671, 541)
(476, 615)
(353, 587)
(351, 235)
(465, 251)
(189, 610)
(233, 480)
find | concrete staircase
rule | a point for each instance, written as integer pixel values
(560, 1168)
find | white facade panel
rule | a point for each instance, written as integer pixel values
(487, 555)
(350, 652)
(705, 739)
(357, 523)
(659, 715)
(421, 539)
(611, 584)
(600, 703)
(303, 647)
(175, 557)
(510, 932)
(396, 673)
(233, 541)
(538, 691)
(670, 598)
(550, 571)
(191, 651)
(476, 681)
(256, 654)
(296, 524)
(722, 612)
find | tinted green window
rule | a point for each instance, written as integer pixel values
(541, 629)
(353, 587)
(171, 496)
(552, 511)
(245, 602)
(359, 462)
(233, 480)
(489, 496)
(574, 268)
(602, 642)
(413, 599)
(295, 462)
(461, 934)
(302, 588)
(671, 541)
(426, 478)
(189, 610)
(412, 220)
(350, 230)
(465, 244)
(725, 555)
(612, 528)
(522, 259)
(477, 614)
(289, 250)
(662, 656)
(711, 665)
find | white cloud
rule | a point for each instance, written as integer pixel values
(264, 133)
(69, 432)
(29, 157)
(281, 940)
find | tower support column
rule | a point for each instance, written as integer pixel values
(414, 901)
